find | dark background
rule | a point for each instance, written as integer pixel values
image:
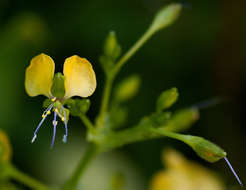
(203, 55)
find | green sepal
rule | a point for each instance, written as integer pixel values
(78, 106)
(127, 88)
(47, 102)
(167, 99)
(166, 16)
(205, 149)
(58, 89)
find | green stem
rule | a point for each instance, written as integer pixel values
(110, 79)
(73, 181)
(105, 100)
(132, 50)
(87, 122)
(26, 180)
(173, 135)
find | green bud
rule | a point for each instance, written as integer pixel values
(167, 99)
(78, 106)
(182, 119)
(111, 47)
(58, 89)
(128, 88)
(166, 16)
(205, 149)
(5, 148)
(118, 116)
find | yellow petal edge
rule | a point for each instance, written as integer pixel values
(80, 78)
(39, 75)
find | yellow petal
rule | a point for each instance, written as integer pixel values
(80, 79)
(39, 75)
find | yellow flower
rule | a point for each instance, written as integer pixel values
(182, 174)
(78, 80)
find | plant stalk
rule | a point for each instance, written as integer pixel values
(89, 155)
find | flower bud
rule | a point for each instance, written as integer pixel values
(166, 16)
(5, 148)
(167, 99)
(128, 88)
(205, 149)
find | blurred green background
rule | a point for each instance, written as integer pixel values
(203, 54)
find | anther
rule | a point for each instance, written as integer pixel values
(53, 99)
(63, 119)
(43, 115)
(56, 110)
(34, 138)
(55, 123)
(48, 112)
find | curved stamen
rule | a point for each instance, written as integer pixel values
(65, 122)
(233, 171)
(44, 116)
(54, 130)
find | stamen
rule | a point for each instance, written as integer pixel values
(233, 171)
(54, 130)
(41, 122)
(65, 122)
(34, 138)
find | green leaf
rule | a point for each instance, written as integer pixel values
(167, 99)
(78, 106)
(166, 16)
(58, 89)
(127, 89)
